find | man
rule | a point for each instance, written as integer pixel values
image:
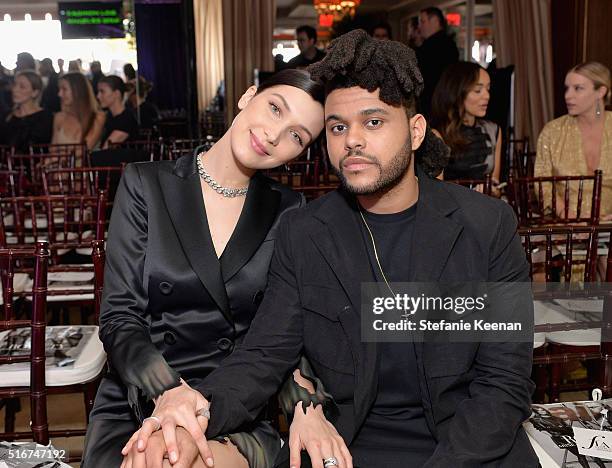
(50, 100)
(95, 74)
(436, 53)
(382, 31)
(307, 42)
(408, 404)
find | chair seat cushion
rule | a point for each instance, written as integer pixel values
(74, 355)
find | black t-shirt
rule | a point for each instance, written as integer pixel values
(395, 433)
(33, 129)
(124, 122)
(302, 62)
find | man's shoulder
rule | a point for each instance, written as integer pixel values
(479, 211)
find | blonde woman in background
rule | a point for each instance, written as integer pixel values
(580, 142)
(79, 121)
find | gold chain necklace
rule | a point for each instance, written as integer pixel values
(375, 251)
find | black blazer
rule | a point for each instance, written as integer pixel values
(475, 396)
(169, 306)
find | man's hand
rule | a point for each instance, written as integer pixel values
(314, 433)
(175, 407)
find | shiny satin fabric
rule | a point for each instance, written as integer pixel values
(170, 308)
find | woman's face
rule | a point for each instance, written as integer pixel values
(580, 94)
(274, 126)
(107, 96)
(65, 93)
(477, 99)
(23, 91)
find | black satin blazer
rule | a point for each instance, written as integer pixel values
(170, 307)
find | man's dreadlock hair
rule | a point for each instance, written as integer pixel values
(356, 59)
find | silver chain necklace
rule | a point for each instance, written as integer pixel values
(226, 192)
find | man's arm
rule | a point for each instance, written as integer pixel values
(244, 382)
(485, 426)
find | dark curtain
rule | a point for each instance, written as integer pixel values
(161, 52)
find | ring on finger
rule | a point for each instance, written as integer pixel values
(157, 421)
(204, 412)
(331, 461)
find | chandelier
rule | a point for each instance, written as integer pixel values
(337, 8)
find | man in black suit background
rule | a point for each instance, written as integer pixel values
(430, 404)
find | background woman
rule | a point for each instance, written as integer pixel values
(28, 123)
(190, 242)
(580, 142)
(79, 120)
(459, 105)
(120, 124)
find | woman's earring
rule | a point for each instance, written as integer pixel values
(597, 109)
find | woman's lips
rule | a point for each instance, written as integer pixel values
(257, 146)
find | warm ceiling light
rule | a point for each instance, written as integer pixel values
(338, 8)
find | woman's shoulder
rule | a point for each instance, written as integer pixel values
(287, 194)
(557, 125)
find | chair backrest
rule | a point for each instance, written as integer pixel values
(9, 264)
(485, 186)
(175, 148)
(152, 148)
(11, 183)
(565, 252)
(82, 180)
(65, 221)
(32, 165)
(99, 257)
(540, 201)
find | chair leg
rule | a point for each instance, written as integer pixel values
(89, 395)
(555, 379)
(540, 375)
(12, 407)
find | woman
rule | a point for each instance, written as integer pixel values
(189, 246)
(147, 112)
(29, 123)
(79, 121)
(120, 125)
(580, 142)
(459, 105)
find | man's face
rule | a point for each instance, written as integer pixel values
(304, 42)
(428, 25)
(381, 34)
(369, 142)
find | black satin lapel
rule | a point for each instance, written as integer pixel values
(183, 197)
(256, 219)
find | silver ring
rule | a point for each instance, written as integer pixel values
(205, 412)
(331, 461)
(156, 419)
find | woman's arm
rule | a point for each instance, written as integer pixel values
(117, 136)
(124, 322)
(57, 120)
(95, 132)
(497, 167)
(543, 166)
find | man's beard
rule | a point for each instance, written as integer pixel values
(389, 175)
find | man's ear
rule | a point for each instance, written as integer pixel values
(246, 97)
(418, 126)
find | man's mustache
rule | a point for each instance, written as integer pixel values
(360, 154)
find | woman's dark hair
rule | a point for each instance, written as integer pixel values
(298, 79)
(114, 83)
(447, 104)
(129, 72)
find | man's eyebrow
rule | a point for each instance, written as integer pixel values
(331, 117)
(374, 110)
(365, 112)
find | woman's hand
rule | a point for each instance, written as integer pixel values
(315, 434)
(175, 407)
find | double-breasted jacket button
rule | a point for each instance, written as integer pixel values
(165, 288)
(169, 338)
(225, 344)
